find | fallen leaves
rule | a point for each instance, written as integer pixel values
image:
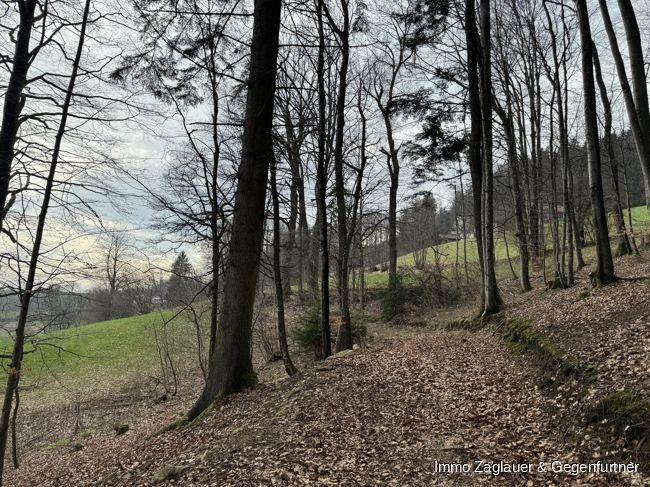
(366, 418)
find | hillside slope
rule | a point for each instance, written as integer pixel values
(380, 416)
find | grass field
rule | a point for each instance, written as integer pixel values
(503, 248)
(640, 219)
(96, 358)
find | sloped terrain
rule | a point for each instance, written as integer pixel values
(608, 328)
(379, 416)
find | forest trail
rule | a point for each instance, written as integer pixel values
(380, 416)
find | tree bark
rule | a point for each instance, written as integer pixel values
(636, 103)
(474, 151)
(344, 337)
(605, 270)
(492, 300)
(326, 345)
(14, 100)
(624, 247)
(518, 197)
(231, 367)
(277, 276)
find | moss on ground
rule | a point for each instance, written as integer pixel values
(625, 415)
(629, 413)
(522, 338)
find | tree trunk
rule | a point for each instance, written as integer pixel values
(464, 224)
(392, 162)
(605, 271)
(214, 217)
(277, 275)
(577, 239)
(14, 100)
(13, 376)
(344, 337)
(492, 300)
(474, 151)
(232, 367)
(636, 103)
(624, 247)
(326, 345)
(627, 202)
(518, 197)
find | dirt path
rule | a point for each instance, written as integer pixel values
(381, 416)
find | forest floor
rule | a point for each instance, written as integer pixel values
(386, 413)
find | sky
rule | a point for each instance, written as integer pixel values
(143, 143)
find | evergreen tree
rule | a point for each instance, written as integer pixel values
(180, 288)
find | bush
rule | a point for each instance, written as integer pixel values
(360, 326)
(308, 333)
(392, 301)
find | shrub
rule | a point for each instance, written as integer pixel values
(360, 327)
(392, 301)
(308, 333)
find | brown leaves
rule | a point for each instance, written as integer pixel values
(368, 418)
(609, 329)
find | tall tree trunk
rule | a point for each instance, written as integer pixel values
(14, 100)
(362, 273)
(577, 239)
(232, 367)
(303, 234)
(298, 181)
(457, 230)
(559, 246)
(605, 271)
(326, 341)
(13, 376)
(636, 103)
(393, 169)
(214, 216)
(464, 224)
(639, 79)
(628, 205)
(492, 300)
(344, 337)
(624, 247)
(518, 197)
(277, 275)
(474, 150)
(293, 156)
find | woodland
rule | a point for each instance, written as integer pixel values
(325, 242)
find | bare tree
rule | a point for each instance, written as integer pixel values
(231, 367)
(277, 275)
(605, 269)
(13, 378)
(636, 97)
(14, 100)
(624, 246)
(321, 187)
(115, 269)
(492, 300)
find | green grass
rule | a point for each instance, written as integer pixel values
(447, 255)
(447, 252)
(640, 218)
(95, 359)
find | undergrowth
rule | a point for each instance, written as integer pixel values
(628, 417)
